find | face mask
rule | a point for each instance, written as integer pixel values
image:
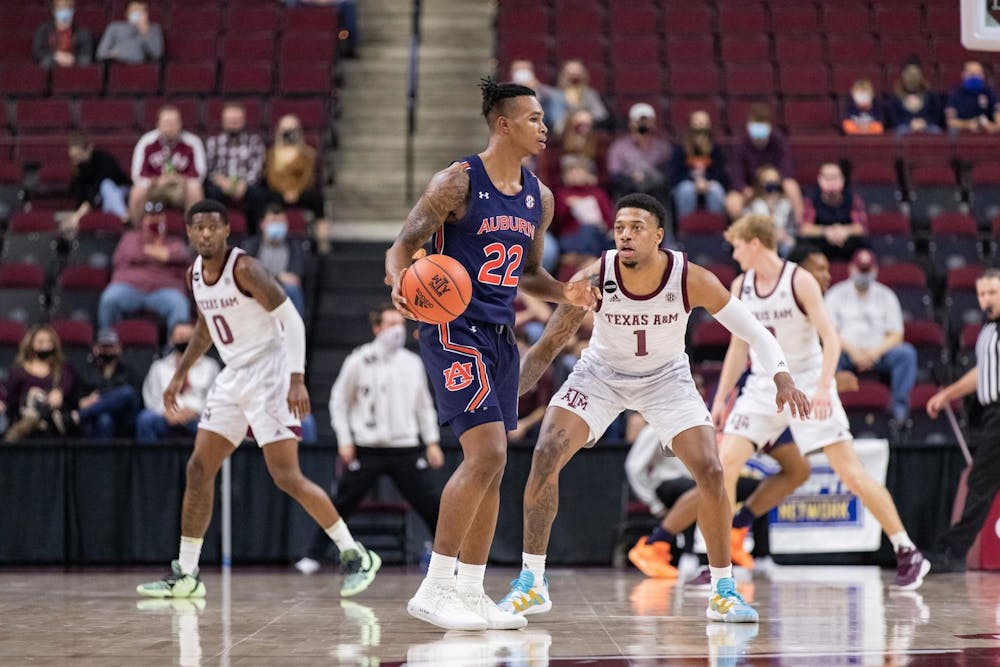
(772, 188)
(44, 355)
(575, 80)
(232, 134)
(863, 280)
(180, 347)
(391, 338)
(523, 77)
(134, 17)
(642, 129)
(974, 84)
(290, 136)
(64, 16)
(759, 131)
(276, 231)
(154, 227)
(863, 99)
(107, 358)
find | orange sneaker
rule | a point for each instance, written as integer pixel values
(652, 559)
(739, 555)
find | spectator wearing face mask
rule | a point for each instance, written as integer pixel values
(235, 165)
(914, 108)
(869, 319)
(862, 113)
(553, 103)
(770, 200)
(39, 387)
(291, 175)
(835, 218)
(972, 107)
(109, 402)
(154, 422)
(637, 161)
(760, 146)
(282, 257)
(698, 169)
(381, 410)
(148, 273)
(61, 43)
(574, 82)
(583, 214)
(133, 41)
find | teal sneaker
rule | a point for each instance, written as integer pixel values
(359, 567)
(729, 606)
(525, 597)
(175, 584)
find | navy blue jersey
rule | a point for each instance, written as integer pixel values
(492, 241)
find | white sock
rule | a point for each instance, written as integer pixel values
(720, 573)
(441, 569)
(470, 577)
(341, 536)
(190, 553)
(535, 563)
(901, 540)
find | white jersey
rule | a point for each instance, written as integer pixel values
(241, 328)
(780, 311)
(640, 334)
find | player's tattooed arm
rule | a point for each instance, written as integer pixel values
(559, 331)
(445, 198)
(253, 278)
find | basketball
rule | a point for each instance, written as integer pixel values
(437, 289)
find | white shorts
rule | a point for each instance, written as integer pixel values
(755, 416)
(667, 399)
(254, 396)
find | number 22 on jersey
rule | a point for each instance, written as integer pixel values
(498, 255)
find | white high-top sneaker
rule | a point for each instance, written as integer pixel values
(439, 604)
(497, 619)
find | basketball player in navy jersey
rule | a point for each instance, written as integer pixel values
(490, 213)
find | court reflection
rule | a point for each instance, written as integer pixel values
(521, 648)
(183, 615)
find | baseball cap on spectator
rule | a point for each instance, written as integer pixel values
(641, 110)
(107, 337)
(864, 260)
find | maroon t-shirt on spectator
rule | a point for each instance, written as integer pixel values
(134, 267)
(747, 159)
(564, 222)
(14, 390)
(152, 154)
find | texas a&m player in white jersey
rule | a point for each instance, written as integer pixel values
(636, 361)
(244, 312)
(790, 303)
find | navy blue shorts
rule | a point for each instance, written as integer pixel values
(474, 368)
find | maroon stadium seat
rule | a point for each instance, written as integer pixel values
(23, 79)
(810, 115)
(749, 79)
(744, 49)
(20, 274)
(299, 79)
(312, 113)
(636, 19)
(955, 224)
(639, 50)
(248, 48)
(902, 274)
(522, 19)
(18, 17)
(246, 18)
(691, 50)
(742, 19)
(191, 48)
(73, 332)
(300, 20)
(899, 49)
(701, 223)
(27, 222)
(253, 78)
(841, 19)
(871, 395)
(83, 80)
(811, 80)
(687, 19)
(186, 20)
(133, 79)
(638, 80)
(107, 114)
(589, 51)
(580, 19)
(42, 115)
(137, 333)
(16, 48)
(99, 222)
(852, 50)
(94, 19)
(533, 47)
(844, 77)
(797, 49)
(700, 79)
(189, 78)
(800, 19)
(903, 20)
(317, 48)
(11, 332)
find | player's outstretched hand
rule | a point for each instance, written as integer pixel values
(582, 293)
(298, 398)
(822, 406)
(936, 404)
(174, 389)
(790, 395)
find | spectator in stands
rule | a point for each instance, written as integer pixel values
(154, 422)
(148, 273)
(291, 171)
(530, 316)
(168, 164)
(235, 160)
(698, 169)
(863, 112)
(98, 181)
(577, 93)
(531, 405)
(551, 98)
(869, 319)
(133, 41)
(60, 43)
(584, 214)
(637, 161)
(972, 107)
(109, 401)
(578, 137)
(769, 199)
(39, 387)
(834, 218)
(281, 256)
(914, 107)
(760, 146)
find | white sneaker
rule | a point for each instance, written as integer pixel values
(307, 565)
(496, 618)
(440, 605)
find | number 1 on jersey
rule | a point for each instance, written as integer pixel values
(497, 255)
(640, 343)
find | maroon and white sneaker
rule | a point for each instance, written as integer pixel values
(911, 568)
(700, 582)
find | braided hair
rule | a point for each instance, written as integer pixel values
(495, 95)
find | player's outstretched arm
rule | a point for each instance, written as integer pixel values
(811, 297)
(537, 282)
(559, 330)
(201, 341)
(252, 277)
(732, 367)
(446, 197)
(705, 290)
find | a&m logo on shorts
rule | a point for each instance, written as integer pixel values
(458, 377)
(575, 399)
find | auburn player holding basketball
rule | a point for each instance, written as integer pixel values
(261, 339)
(489, 213)
(636, 361)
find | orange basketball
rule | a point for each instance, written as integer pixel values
(437, 289)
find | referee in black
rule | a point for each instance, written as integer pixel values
(984, 477)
